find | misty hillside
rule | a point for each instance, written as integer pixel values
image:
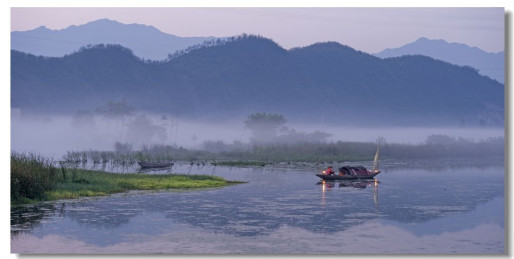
(145, 41)
(489, 64)
(324, 82)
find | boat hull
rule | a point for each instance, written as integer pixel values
(335, 177)
(155, 164)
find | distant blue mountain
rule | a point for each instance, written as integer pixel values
(145, 41)
(488, 64)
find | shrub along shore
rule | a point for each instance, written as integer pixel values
(35, 179)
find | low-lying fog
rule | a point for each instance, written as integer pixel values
(53, 135)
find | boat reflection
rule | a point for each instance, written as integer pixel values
(166, 170)
(327, 186)
(361, 184)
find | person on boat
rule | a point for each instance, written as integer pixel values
(330, 171)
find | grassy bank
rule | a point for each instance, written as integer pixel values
(34, 179)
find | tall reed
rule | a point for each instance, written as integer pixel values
(31, 176)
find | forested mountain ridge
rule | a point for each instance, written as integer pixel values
(324, 82)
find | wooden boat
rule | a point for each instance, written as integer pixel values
(155, 164)
(333, 177)
(353, 172)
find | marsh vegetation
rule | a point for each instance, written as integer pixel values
(34, 178)
(237, 154)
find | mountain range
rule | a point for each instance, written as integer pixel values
(145, 41)
(489, 64)
(322, 83)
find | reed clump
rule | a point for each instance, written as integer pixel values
(31, 176)
(34, 178)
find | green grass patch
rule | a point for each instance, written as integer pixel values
(34, 179)
(87, 183)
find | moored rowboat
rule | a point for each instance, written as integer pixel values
(155, 164)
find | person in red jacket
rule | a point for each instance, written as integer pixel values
(330, 171)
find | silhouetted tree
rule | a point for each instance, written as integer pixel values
(142, 130)
(162, 131)
(264, 126)
(117, 111)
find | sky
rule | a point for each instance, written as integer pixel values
(366, 29)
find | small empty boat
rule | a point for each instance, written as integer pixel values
(155, 164)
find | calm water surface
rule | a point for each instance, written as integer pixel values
(441, 210)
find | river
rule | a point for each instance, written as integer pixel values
(428, 207)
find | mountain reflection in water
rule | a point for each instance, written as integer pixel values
(282, 211)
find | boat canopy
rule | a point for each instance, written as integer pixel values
(354, 170)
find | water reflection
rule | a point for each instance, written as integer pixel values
(359, 184)
(26, 218)
(167, 170)
(272, 201)
(379, 238)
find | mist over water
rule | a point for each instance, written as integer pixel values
(409, 135)
(54, 135)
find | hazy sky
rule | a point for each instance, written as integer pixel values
(367, 29)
